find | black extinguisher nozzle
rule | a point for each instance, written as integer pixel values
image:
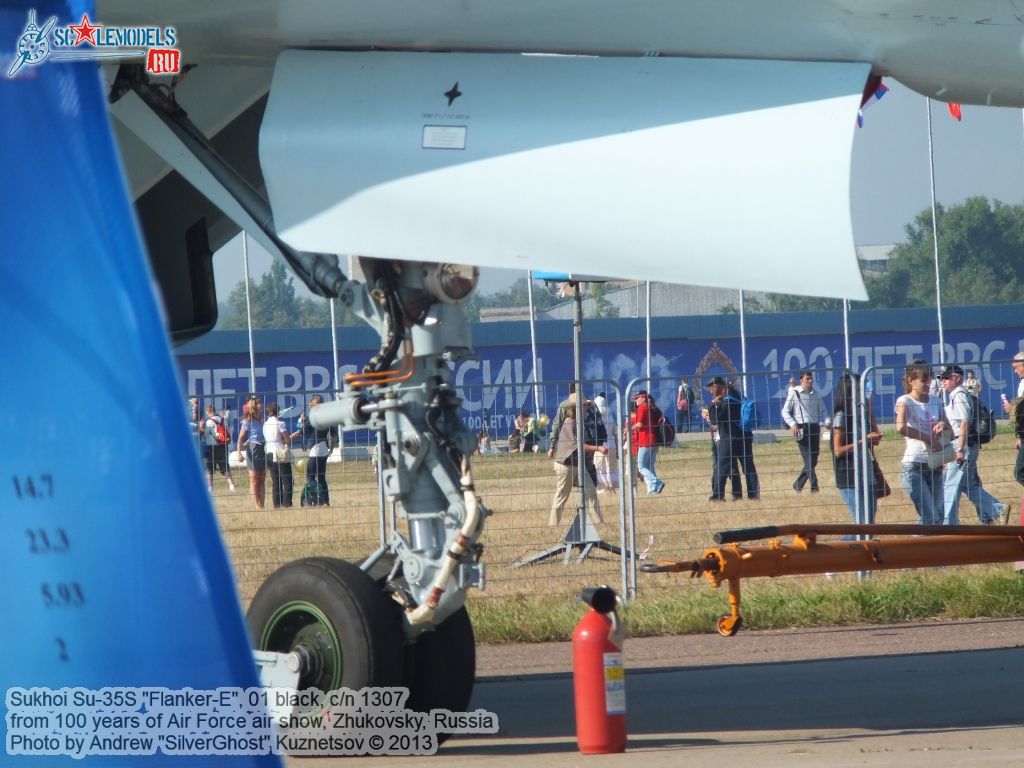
(602, 599)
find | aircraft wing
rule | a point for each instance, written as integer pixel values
(693, 142)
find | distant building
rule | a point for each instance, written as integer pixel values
(667, 299)
(629, 297)
(503, 314)
(874, 259)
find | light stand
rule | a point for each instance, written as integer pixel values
(581, 533)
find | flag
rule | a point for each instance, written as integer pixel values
(873, 91)
(954, 111)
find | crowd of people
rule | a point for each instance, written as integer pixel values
(937, 417)
(264, 442)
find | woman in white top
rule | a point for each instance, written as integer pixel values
(280, 471)
(921, 420)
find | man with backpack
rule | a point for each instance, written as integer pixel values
(685, 398)
(645, 436)
(730, 444)
(216, 437)
(963, 411)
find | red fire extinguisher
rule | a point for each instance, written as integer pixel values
(599, 677)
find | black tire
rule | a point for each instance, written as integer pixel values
(331, 610)
(440, 667)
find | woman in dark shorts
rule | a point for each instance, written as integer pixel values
(250, 436)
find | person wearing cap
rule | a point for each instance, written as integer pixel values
(563, 475)
(804, 413)
(569, 455)
(724, 418)
(961, 475)
(593, 434)
(734, 471)
(646, 440)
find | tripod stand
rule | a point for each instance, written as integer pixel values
(581, 533)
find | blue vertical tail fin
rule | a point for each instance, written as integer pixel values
(112, 567)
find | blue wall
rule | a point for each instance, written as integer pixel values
(777, 345)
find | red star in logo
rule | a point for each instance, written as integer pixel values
(85, 31)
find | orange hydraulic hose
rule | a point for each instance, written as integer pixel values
(357, 380)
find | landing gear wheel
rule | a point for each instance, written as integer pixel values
(342, 625)
(728, 626)
(440, 667)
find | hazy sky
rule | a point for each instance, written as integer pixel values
(982, 155)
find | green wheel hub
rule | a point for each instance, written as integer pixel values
(302, 627)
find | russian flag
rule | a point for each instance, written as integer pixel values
(873, 91)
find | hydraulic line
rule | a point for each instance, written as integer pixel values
(460, 546)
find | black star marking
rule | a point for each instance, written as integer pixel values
(453, 93)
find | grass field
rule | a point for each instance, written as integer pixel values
(518, 488)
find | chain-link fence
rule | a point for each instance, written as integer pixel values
(513, 474)
(527, 555)
(345, 522)
(679, 522)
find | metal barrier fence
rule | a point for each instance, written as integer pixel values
(519, 486)
(679, 522)
(995, 460)
(260, 540)
(525, 553)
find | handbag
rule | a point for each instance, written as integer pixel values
(938, 459)
(882, 488)
(283, 454)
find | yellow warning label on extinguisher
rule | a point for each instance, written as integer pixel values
(614, 684)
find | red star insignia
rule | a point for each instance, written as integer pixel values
(85, 31)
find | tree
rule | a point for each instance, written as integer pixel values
(981, 258)
(784, 302)
(517, 296)
(602, 307)
(274, 305)
(981, 261)
(471, 307)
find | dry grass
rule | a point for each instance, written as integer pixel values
(518, 488)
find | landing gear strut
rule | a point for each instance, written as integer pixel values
(399, 619)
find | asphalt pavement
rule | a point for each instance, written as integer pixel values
(936, 694)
